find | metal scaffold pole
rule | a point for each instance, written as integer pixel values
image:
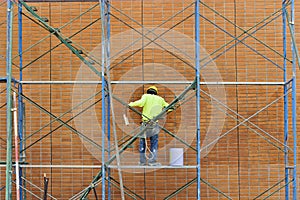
(8, 189)
(197, 65)
(17, 167)
(294, 108)
(108, 147)
(105, 182)
(285, 91)
(108, 97)
(102, 10)
(288, 21)
(20, 91)
(105, 11)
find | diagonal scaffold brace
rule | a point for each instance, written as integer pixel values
(77, 52)
(192, 86)
(56, 32)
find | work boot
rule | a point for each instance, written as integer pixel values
(154, 163)
(142, 164)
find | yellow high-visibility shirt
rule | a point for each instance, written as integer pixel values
(152, 105)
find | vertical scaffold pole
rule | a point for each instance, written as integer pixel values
(294, 108)
(103, 42)
(285, 90)
(108, 146)
(14, 109)
(197, 64)
(108, 97)
(8, 189)
(20, 90)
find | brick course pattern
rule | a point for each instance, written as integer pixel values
(62, 122)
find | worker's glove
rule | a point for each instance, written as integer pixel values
(171, 109)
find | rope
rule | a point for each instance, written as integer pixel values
(147, 146)
(132, 139)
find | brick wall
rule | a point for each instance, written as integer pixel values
(242, 164)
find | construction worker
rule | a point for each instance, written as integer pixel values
(152, 105)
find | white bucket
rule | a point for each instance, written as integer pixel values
(176, 156)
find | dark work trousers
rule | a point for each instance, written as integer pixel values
(152, 133)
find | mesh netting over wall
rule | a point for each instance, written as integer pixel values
(242, 99)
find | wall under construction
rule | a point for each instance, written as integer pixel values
(228, 69)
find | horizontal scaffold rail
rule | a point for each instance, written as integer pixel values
(153, 167)
(109, 166)
(59, 166)
(153, 82)
(40, 1)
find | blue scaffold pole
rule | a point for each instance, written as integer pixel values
(20, 91)
(285, 90)
(108, 97)
(197, 64)
(103, 42)
(294, 107)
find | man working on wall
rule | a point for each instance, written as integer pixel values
(152, 105)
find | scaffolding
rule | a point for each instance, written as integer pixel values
(233, 89)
